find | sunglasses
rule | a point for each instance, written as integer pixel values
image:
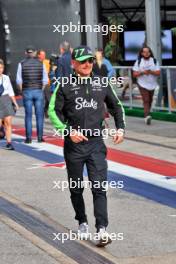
(90, 60)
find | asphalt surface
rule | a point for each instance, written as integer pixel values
(147, 224)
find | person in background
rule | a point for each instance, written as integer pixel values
(7, 97)
(53, 67)
(146, 70)
(2, 132)
(64, 68)
(32, 78)
(41, 54)
(104, 70)
(99, 68)
(107, 63)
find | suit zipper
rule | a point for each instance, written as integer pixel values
(85, 109)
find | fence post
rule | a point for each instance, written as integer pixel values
(130, 88)
(169, 88)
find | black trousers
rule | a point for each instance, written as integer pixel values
(47, 96)
(93, 154)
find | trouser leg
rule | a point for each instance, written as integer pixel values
(147, 100)
(28, 102)
(39, 112)
(47, 96)
(97, 173)
(151, 93)
(75, 179)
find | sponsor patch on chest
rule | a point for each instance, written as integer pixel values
(83, 103)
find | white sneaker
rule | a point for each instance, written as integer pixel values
(83, 231)
(148, 120)
(103, 238)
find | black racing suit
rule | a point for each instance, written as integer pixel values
(81, 106)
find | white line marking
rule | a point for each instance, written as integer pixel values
(172, 215)
(132, 172)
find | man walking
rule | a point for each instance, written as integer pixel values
(80, 107)
(146, 70)
(64, 62)
(32, 78)
(41, 54)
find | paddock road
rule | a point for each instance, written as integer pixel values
(36, 212)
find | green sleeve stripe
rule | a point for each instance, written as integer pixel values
(57, 123)
(119, 103)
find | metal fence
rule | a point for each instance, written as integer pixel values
(165, 92)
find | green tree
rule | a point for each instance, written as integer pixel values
(112, 49)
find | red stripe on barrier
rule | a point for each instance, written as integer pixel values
(135, 160)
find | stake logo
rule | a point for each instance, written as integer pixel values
(83, 103)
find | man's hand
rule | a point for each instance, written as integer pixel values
(156, 73)
(77, 137)
(119, 137)
(146, 72)
(140, 73)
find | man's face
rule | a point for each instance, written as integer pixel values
(1, 69)
(83, 68)
(42, 55)
(146, 53)
(61, 50)
(99, 55)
